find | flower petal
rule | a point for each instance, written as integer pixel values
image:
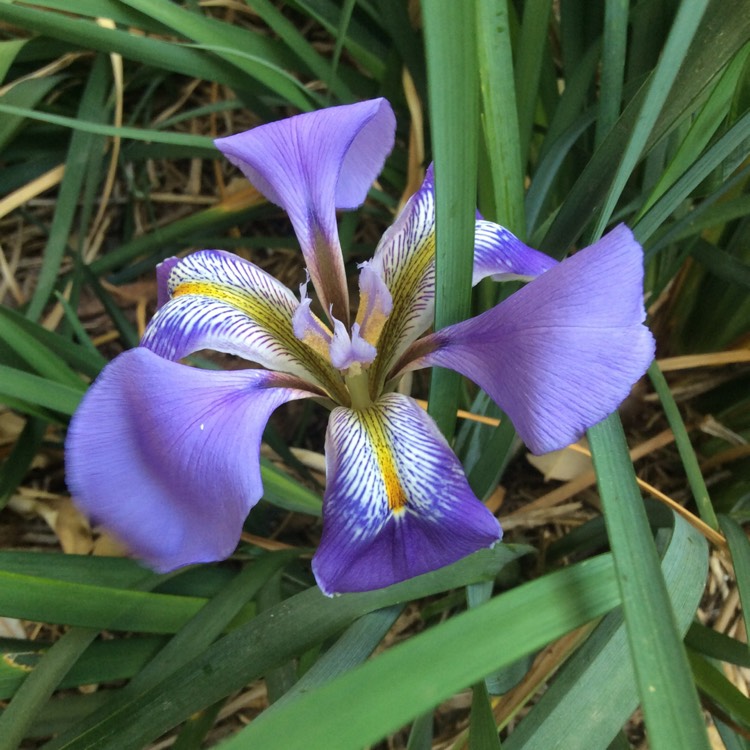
(500, 254)
(397, 503)
(312, 164)
(349, 349)
(309, 328)
(167, 456)
(563, 352)
(163, 271)
(220, 301)
(405, 260)
(375, 303)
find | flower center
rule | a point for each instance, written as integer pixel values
(358, 384)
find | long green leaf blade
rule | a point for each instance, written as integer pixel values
(667, 692)
(454, 114)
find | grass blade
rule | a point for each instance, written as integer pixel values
(499, 113)
(450, 35)
(613, 65)
(682, 440)
(500, 631)
(685, 25)
(598, 680)
(666, 689)
(270, 639)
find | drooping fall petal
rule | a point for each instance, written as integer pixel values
(167, 456)
(397, 503)
(220, 301)
(563, 352)
(312, 164)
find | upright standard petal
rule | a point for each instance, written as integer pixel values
(220, 301)
(167, 456)
(563, 352)
(405, 260)
(397, 503)
(312, 164)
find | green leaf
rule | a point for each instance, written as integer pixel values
(90, 606)
(19, 385)
(234, 45)
(39, 685)
(78, 357)
(199, 145)
(482, 727)
(268, 640)
(20, 100)
(704, 126)
(725, 20)
(450, 37)
(46, 363)
(666, 690)
(722, 264)
(685, 448)
(148, 50)
(733, 139)
(81, 149)
(598, 681)
(721, 693)
(529, 59)
(435, 664)
(15, 466)
(356, 644)
(613, 65)
(103, 661)
(739, 546)
(685, 25)
(9, 48)
(499, 113)
(283, 491)
(715, 645)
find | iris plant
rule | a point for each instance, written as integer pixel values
(167, 456)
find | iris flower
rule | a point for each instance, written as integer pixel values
(166, 455)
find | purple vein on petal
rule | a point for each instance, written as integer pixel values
(397, 503)
(220, 301)
(500, 255)
(405, 261)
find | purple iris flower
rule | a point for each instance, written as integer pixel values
(166, 455)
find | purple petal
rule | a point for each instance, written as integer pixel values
(349, 349)
(563, 352)
(309, 328)
(500, 254)
(397, 503)
(375, 303)
(220, 301)
(167, 456)
(405, 261)
(312, 164)
(163, 270)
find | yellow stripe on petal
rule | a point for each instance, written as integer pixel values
(373, 425)
(405, 259)
(397, 503)
(219, 301)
